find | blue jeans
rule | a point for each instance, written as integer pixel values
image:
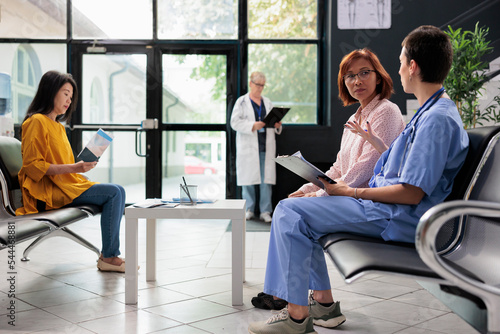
(266, 191)
(111, 197)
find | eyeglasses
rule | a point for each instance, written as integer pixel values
(258, 85)
(363, 75)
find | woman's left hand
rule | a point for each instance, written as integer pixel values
(77, 167)
(367, 134)
(337, 189)
(82, 166)
(277, 125)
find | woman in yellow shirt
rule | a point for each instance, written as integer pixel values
(50, 178)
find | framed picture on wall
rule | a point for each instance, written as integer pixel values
(362, 14)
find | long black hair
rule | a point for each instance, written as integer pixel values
(43, 102)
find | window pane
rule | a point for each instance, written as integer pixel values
(114, 89)
(119, 164)
(295, 84)
(195, 19)
(200, 157)
(24, 65)
(194, 89)
(33, 19)
(120, 19)
(282, 19)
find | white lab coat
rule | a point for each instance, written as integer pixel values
(247, 144)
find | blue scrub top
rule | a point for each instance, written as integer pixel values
(431, 161)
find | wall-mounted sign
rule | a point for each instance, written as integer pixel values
(363, 14)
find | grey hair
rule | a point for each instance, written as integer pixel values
(257, 75)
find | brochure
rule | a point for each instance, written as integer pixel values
(199, 201)
(154, 203)
(95, 147)
(300, 166)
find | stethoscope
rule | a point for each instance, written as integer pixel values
(426, 106)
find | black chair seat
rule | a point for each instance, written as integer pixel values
(59, 217)
(355, 255)
(24, 230)
(90, 209)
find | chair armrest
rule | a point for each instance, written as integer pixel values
(482, 256)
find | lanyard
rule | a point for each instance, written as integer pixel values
(426, 106)
(258, 108)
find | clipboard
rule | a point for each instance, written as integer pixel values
(275, 115)
(303, 168)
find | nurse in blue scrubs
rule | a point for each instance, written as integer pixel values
(412, 175)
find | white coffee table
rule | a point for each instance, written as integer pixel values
(221, 209)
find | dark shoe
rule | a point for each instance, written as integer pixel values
(267, 302)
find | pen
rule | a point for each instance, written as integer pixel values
(187, 190)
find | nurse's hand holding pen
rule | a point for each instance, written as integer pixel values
(367, 134)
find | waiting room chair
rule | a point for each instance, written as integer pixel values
(57, 220)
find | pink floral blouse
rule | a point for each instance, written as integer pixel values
(357, 157)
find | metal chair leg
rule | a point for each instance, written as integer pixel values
(62, 232)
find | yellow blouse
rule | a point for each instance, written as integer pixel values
(44, 142)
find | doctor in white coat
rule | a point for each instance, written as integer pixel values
(255, 147)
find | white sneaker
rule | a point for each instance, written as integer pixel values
(249, 215)
(266, 217)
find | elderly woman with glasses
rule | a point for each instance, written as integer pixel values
(255, 147)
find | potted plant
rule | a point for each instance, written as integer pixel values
(468, 74)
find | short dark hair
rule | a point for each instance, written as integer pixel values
(384, 88)
(43, 102)
(431, 49)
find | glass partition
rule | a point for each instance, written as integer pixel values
(199, 156)
(23, 66)
(194, 89)
(277, 19)
(119, 164)
(295, 84)
(114, 89)
(194, 19)
(112, 19)
(33, 19)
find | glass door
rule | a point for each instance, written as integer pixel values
(194, 114)
(184, 95)
(114, 94)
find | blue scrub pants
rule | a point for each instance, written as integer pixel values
(111, 197)
(266, 189)
(296, 262)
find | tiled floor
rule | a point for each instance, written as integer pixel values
(61, 291)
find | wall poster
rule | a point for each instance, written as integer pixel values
(363, 14)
